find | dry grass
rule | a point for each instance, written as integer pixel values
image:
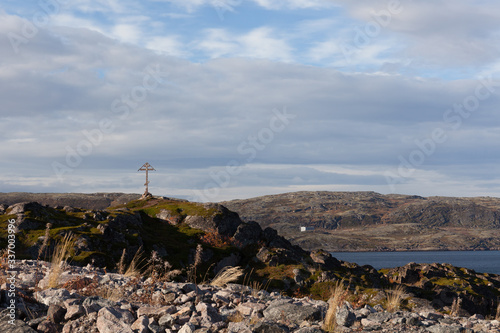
(227, 275)
(121, 264)
(235, 317)
(133, 269)
(337, 298)
(455, 307)
(395, 298)
(61, 253)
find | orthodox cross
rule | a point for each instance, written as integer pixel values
(146, 167)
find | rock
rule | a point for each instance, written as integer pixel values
(56, 313)
(369, 324)
(141, 325)
(187, 328)
(292, 313)
(96, 303)
(156, 313)
(222, 220)
(268, 327)
(166, 321)
(246, 234)
(52, 296)
(249, 308)
(165, 215)
(238, 327)
(345, 316)
(112, 320)
(233, 260)
(446, 329)
(18, 327)
(208, 312)
(85, 324)
(74, 312)
(309, 330)
(325, 259)
(47, 326)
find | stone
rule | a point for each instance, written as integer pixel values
(248, 308)
(47, 326)
(141, 325)
(208, 312)
(345, 316)
(292, 313)
(309, 330)
(369, 324)
(18, 327)
(445, 329)
(73, 312)
(268, 327)
(166, 321)
(238, 327)
(154, 312)
(112, 320)
(187, 328)
(56, 313)
(52, 296)
(96, 303)
(431, 315)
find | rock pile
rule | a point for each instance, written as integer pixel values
(91, 300)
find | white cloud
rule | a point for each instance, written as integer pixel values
(262, 43)
(294, 4)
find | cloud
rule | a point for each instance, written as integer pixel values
(294, 4)
(258, 43)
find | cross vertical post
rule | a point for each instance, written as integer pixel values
(146, 167)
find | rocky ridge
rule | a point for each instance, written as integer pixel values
(92, 300)
(369, 221)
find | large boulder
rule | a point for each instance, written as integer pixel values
(291, 312)
(246, 234)
(218, 219)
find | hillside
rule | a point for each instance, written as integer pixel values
(369, 221)
(180, 241)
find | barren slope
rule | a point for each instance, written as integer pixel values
(369, 221)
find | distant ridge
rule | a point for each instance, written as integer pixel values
(369, 221)
(82, 200)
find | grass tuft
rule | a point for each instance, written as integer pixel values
(61, 254)
(395, 298)
(133, 269)
(337, 298)
(227, 275)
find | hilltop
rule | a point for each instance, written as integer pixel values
(369, 221)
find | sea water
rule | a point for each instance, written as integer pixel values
(480, 261)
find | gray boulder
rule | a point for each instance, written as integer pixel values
(292, 313)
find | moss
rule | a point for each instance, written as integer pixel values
(322, 290)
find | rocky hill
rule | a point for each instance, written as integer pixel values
(369, 221)
(81, 200)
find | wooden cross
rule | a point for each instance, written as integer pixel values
(146, 167)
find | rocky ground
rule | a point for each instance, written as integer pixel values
(91, 300)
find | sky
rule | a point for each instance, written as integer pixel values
(231, 99)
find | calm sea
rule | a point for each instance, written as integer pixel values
(480, 261)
